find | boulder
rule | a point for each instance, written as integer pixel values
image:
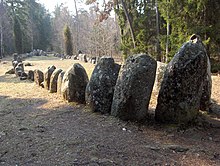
(59, 82)
(83, 58)
(23, 76)
(182, 86)
(100, 89)
(19, 69)
(30, 75)
(14, 64)
(74, 84)
(134, 87)
(47, 75)
(205, 101)
(38, 77)
(53, 80)
(28, 64)
(15, 56)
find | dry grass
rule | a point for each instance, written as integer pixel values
(43, 62)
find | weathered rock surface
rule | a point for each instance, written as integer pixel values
(53, 80)
(205, 102)
(100, 89)
(133, 88)
(181, 89)
(59, 82)
(30, 75)
(74, 84)
(19, 69)
(38, 77)
(47, 75)
(23, 76)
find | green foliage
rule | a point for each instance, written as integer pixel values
(143, 18)
(32, 21)
(187, 17)
(68, 41)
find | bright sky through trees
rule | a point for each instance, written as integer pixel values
(50, 4)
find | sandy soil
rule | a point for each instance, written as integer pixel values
(39, 128)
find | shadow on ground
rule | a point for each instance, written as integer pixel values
(67, 135)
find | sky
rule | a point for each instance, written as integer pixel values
(50, 4)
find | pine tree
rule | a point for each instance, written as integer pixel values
(68, 41)
(17, 36)
(187, 17)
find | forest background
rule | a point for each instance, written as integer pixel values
(116, 28)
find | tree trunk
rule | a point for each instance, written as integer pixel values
(1, 45)
(129, 22)
(77, 27)
(158, 33)
(168, 34)
(1, 30)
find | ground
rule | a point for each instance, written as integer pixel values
(39, 128)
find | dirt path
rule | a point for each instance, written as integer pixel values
(38, 128)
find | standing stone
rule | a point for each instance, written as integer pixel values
(53, 80)
(14, 64)
(181, 89)
(15, 56)
(23, 76)
(19, 69)
(59, 82)
(74, 84)
(31, 75)
(205, 102)
(100, 89)
(47, 75)
(38, 77)
(133, 88)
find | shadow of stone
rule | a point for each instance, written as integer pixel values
(11, 78)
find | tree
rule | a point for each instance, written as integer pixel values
(138, 24)
(68, 41)
(186, 17)
(17, 36)
(2, 13)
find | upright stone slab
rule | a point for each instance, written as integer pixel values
(53, 80)
(47, 75)
(74, 84)
(38, 77)
(19, 69)
(181, 89)
(31, 75)
(59, 82)
(134, 87)
(100, 89)
(205, 101)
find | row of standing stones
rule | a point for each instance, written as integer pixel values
(184, 90)
(125, 91)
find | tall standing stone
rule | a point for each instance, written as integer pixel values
(100, 89)
(134, 87)
(38, 77)
(182, 86)
(47, 75)
(53, 80)
(31, 75)
(74, 84)
(59, 82)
